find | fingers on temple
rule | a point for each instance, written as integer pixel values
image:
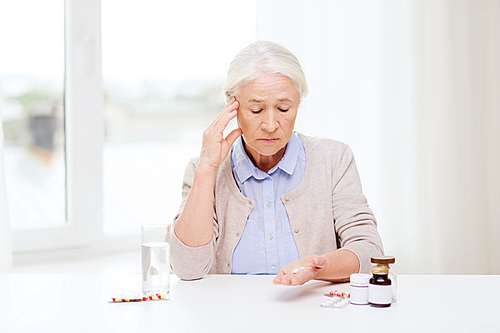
(226, 114)
(232, 105)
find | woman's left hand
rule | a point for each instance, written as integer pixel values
(300, 271)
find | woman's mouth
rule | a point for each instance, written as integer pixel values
(268, 141)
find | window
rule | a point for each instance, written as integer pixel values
(163, 77)
(129, 135)
(52, 47)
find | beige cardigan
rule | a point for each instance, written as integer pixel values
(327, 211)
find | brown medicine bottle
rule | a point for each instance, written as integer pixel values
(380, 286)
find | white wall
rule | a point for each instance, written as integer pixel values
(413, 87)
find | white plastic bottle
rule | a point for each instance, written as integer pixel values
(359, 289)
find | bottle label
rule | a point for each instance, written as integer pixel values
(378, 294)
(359, 295)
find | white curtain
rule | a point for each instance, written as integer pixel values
(413, 86)
(5, 248)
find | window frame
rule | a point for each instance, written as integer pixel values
(83, 104)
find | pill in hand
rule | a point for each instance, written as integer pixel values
(296, 270)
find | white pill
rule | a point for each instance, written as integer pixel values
(295, 271)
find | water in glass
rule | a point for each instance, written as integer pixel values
(156, 268)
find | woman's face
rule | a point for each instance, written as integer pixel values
(267, 112)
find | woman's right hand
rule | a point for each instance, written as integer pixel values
(215, 147)
(194, 227)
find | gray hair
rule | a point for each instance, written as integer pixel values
(263, 57)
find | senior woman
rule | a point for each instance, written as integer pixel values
(266, 199)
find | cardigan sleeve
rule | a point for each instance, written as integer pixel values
(190, 263)
(354, 221)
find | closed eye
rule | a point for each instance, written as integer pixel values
(283, 110)
(256, 111)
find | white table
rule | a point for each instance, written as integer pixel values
(222, 303)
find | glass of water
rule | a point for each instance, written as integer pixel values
(156, 258)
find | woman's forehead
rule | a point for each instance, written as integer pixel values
(275, 86)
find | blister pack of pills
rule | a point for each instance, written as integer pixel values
(135, 297)
(336, 300)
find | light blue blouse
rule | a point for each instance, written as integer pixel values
(267, 243)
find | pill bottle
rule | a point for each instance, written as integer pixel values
(380, 286)
(359, 289)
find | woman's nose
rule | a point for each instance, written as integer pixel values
(270, 123)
